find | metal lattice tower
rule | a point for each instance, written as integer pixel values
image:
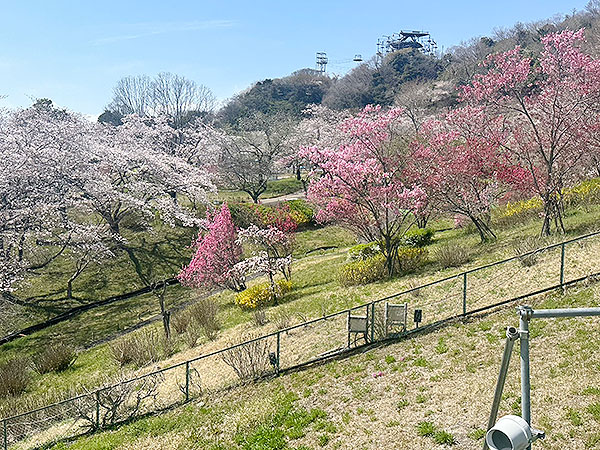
(322, 61)
(420, 40)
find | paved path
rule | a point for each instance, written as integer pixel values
(284, 198)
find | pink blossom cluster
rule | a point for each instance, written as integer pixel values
(361, 183)
(217, 252)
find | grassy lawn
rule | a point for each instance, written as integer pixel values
(317, 292)
(161, 253)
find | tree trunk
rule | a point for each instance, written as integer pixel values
(166, 314)
(304, 186)
(485, 232)
(236, 285)
(389, 254)
(21, 247)
(553, 212)
(273, 290)
(421, 221)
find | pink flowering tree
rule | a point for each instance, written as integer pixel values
(362, 184)
(217, 252)
(462, 172)
(549, 106)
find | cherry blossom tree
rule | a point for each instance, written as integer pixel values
(35, 197)
(549, 105)
(216, 254)
(136, 176)
(320, 127)
(362, 184)
(271, 250)
(68, 186)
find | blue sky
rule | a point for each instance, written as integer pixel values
(74, 51)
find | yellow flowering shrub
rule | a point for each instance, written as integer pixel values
(410, 258)
(363, 271)
(522, 207)
(260, 295)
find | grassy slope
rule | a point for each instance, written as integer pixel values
(164, 251)
(317, 292)
(444, 378)
(275, 188)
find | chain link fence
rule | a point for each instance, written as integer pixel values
(459, 295)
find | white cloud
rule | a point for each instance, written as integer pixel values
(141, 30)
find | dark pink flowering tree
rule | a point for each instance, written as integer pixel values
(361, 183)
(549, 106)
(216, 254)
(462, 172)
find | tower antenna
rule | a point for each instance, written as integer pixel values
(322, 61)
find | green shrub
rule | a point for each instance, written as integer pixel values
(452, 255)
(244, 214)
(54, 358)
(15, 376)
(418, 237)
(410, 259)
(298, 212)
(260, 295)
(363, 271)
(361, 252)
(301, 212)
(584, 193)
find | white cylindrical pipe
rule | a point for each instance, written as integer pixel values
(509, 433)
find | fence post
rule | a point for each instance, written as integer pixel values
(278, 352)
(348, 329)
(97, 409)
(5, 433)
(562, 264)
(465, 294)
(372, 321)
(187, 381)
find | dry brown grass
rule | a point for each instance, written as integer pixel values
(445, 377)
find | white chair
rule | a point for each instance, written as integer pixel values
(396, 315)
(357, 325)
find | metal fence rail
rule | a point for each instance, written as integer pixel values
(472, 291)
